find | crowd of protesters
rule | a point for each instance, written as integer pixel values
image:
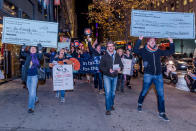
(108, 79)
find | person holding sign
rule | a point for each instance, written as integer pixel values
(61, 60)
(152, 71)
(110, 65)
(31, 73)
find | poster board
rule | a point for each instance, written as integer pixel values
(65, 45)
(127, 66)
(30, 32)
(62, 77)
(157, 24)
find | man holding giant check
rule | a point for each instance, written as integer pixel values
(152, 24)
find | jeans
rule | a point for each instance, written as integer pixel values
(110, 88)
(158, 81)
(98, 80)
(32, 87)
(120, 82)
(62, 93)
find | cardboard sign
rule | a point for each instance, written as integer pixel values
(159, 24)
(62, 77)
(30, 32)
(127, 66)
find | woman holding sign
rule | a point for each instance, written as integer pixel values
(31, 73)
(61, 59)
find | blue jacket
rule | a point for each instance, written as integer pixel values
(151, 60)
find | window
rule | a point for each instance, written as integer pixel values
(166, 9)
(10, 8)
(185, 2)
(190, 1)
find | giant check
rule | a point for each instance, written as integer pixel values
(30, 32)
(163, 24)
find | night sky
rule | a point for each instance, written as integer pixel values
(81, 10)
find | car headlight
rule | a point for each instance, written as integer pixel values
(171, 62)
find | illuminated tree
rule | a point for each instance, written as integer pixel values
(114, 16)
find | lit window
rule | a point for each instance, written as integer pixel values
(166, 9)
(163, 1)
(185, 2)
(173, 8)
(158, 4)
(190, 1)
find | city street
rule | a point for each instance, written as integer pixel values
(84, 110)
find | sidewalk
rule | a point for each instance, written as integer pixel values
(84, 110)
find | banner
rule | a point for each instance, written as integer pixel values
(127, 66)
(30, 32)
(163, 24)
(89, 65)
(62, 77)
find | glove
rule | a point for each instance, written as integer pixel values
(39, 47)
(23, 47)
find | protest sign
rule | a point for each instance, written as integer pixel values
(127, 66)
(65, 45)
(62, 77)
(158, 24)
(30, 32)
(89, 65)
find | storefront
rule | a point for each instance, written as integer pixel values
(9, 54)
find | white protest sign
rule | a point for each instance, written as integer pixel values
(62, 77)
(158, 24)
(65, 45)
(30, 32)
(127, 66)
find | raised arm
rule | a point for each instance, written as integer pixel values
(137, 45)
(171, 49)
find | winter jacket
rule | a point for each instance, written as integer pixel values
(107, 63)
(93, 51)
(27, 63)
(151, 60)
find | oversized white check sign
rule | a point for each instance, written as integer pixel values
(30, 32)
(162, 24)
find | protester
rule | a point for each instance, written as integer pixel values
(61, 60)
(110, 65)
(152, 71)
(96, 52)
(120, 81)
(30, 73)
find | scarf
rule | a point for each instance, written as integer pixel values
(150, 49)
(34, 60)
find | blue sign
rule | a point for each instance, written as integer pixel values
(89, 65)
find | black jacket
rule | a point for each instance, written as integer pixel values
(106, 64)
(93, 51)
(151, 60)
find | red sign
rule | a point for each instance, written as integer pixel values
(57, 2)
(87, 31)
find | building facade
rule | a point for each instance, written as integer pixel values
(10, 64)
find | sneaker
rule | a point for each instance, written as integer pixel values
(163, 116)
(62, 100)
(101, 92)
(30, 111)
(139, 108)
(129, 86)
(108, 112)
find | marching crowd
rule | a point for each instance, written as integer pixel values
(108, 79)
